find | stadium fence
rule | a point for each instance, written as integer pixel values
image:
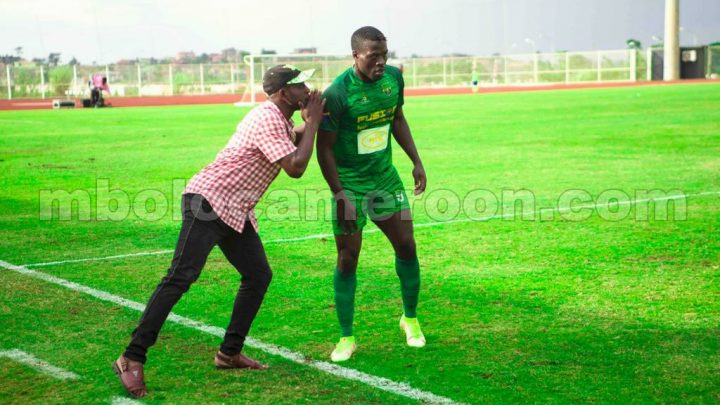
(245, 78)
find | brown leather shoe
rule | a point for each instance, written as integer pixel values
(223, 361)
(131, 376)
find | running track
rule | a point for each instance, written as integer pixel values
(41, 104)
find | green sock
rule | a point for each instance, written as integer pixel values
(345, 300)
(409, 273)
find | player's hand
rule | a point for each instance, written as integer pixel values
(420, 178)
(346, 214)
(313, 111)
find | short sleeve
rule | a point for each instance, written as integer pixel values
(273, 140)
(401, 88)
(334, 108)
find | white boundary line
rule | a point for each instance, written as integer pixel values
(347, 373)
(123, 401)
(93, 259)
(369, 231)
(39, 365)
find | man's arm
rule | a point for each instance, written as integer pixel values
(346, 213)
(326, 159)
(299, 130)
(295, 163)
(401, 132)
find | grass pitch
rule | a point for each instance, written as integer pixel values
(604, 305)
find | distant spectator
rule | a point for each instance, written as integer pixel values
(98, 83)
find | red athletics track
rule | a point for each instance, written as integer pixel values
(38, 104)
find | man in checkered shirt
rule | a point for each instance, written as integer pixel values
(218, 208)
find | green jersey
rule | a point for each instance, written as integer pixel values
(361, 114)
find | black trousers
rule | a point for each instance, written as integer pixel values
(201, 231)
(95, 95)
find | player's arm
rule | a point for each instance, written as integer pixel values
(401, 132)
(295, 163)
(326, 159)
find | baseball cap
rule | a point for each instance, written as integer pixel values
(280, 76)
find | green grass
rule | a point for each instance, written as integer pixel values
(558, 310)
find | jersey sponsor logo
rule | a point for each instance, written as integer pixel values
(374, 116)
(373, 139)
(387, 91)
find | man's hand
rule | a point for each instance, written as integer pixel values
(346, 213)
(313, 111)
(420, 179)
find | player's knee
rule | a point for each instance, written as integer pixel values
(347, 260)
(406, 249)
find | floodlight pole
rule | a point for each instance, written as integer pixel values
(671, 65)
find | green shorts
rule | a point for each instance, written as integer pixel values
(388, 198)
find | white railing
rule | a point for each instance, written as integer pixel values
(245, 78)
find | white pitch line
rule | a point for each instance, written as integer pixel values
(93, 259)
(124, 401)
(301, 238)
(39, 365)
(381, 383)
(369, 231)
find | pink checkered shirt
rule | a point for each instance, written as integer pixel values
(244, 169)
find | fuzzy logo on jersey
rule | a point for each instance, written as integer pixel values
(387, 91)
(373, 139)
(375, 118)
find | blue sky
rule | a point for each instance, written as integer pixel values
(107, 30)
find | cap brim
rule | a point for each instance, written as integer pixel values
(304, 76)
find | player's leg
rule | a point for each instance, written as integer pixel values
(344, 277)
(344, 285)
(399, 231)
(398, 228)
